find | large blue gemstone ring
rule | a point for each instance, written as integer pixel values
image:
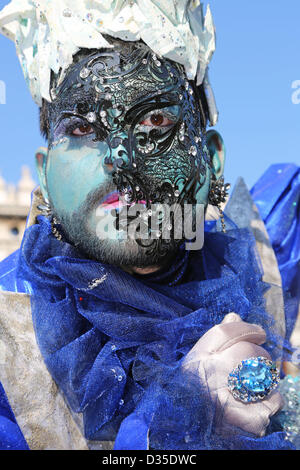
(253, 379)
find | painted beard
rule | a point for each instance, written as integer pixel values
(117, 250)
(117, 93)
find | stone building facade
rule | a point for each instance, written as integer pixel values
(14, 207)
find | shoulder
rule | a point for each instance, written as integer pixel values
(242, 210)
(11, 437)
(8, 275)
(275, 187)
(277, 197)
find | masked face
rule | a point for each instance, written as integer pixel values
(125, 131)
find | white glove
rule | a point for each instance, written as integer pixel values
(215, 355)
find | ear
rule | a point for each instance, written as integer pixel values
(40, 164)
(217, 152)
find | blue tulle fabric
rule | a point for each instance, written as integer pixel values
(11, 437)
(129, 404)
(116, 350)
(277, 196)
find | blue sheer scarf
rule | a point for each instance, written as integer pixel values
(11, 437)
(114, 342)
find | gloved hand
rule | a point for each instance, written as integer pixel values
(215, 355)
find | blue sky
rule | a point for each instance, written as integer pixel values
(256, 62)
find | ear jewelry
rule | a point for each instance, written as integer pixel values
(217, 195)
(46, 211)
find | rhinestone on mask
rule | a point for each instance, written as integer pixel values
(84, 73)
(91, 117)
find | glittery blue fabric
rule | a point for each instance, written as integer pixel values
(8, 276)
(11, 437)
(116, 350)
(277, 196)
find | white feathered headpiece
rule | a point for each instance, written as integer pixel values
(48, 33)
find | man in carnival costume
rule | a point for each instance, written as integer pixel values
(118, 330)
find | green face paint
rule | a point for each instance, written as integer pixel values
(124, 123)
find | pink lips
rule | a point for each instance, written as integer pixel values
(114, 200)
(111, 198)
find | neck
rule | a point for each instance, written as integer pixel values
(167, 261)
(141, 271)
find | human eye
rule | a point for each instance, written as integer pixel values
(73, 127)
(81, 130)
(158, 119)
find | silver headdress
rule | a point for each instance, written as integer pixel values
(48, 33)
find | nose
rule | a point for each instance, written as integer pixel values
(117, 155)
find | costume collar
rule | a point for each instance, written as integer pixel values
(113, 342)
